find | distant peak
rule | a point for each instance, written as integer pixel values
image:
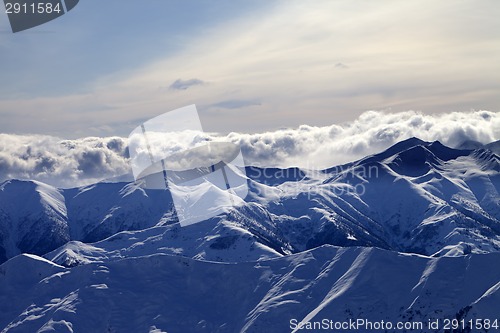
(437, 145)
(25, 183)
(407, 144)
(18, 182)
(414, 151)
(414, 141)
(470, 145)
(446, 153)
(396, 149)
(494, 147)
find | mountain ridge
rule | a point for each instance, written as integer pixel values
(409, 235)
(184, 294)
(455, 193)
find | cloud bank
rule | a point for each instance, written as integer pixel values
(64, 163)
(68, 163)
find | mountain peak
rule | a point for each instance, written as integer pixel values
(393, 150)
(469, 145)
(494, 147)
(446, 153)
(405, 144)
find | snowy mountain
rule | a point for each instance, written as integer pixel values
(471, 145)
(166, 293)
(415, 197)
(33, 218)
(409, 234)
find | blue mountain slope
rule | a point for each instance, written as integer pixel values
(174, 294)
(416, 230)
(415, 197)
(33, 218)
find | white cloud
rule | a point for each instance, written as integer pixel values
(59, 162)
(373, 131)
(82, 161)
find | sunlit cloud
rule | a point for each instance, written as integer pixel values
(83, 161)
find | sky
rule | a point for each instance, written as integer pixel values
(249, 66)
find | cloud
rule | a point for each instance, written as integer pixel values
(75, 162)
(372, 132)
(63, 163)
(185, 84)
(235, 104)
(340, 65)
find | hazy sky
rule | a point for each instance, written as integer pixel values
(249, 66)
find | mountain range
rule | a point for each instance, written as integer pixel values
(410, 234)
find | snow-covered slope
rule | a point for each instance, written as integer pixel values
(172, 294)
(470, 144)
(33, 218)
(101, 210)
(416, 230)
(428, 198)
(415, 197)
